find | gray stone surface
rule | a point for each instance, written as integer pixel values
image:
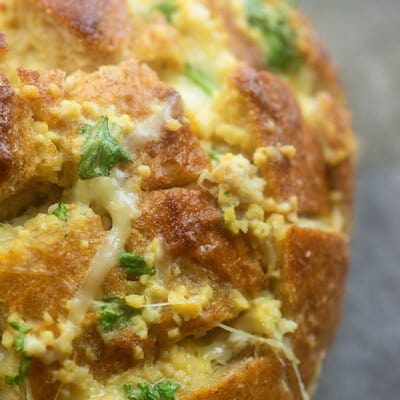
(364, 38)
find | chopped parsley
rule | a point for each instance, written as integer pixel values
(22, 330)
(135, 264)
(115, 314)
(200, 78)
(61, 212)
(215, 155)
(19, 340)
(18, 344)
(101, 151)
(279, 37)
(168, 8)
(163, 390)
(22, 371)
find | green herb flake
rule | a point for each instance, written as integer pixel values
(199, 78)
(279, 37)
(61, 212)
(101, 151)
(215, 155)
(22, 371)
(22, 330)
(163, 390)
(18, 344)
(135, 264)
(115, 314)
(168, 8)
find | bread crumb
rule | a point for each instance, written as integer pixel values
(30, 92)
(144, 171)
(135, 300)
(288, 151)
(173, 333)
(172, 125)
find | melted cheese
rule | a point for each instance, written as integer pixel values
(150, 128)
(121, 205)
(261, 324)
(241, 338)
(6, 234)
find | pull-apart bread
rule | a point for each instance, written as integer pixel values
(175, 191)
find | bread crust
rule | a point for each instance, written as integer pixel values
(6, 123)
(101, 24)
(190, 221)
(294, 147)
(28, 283)
(260, 378)
(311, 287)
(277, 122)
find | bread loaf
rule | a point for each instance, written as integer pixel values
(176, 180)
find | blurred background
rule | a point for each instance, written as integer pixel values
(363, 37)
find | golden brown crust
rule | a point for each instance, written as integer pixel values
(130, 87)
(29, 157)
(50, 85)
(116, 355)
(42, 384)
(277, 121)
(3, 44)
(6, 123)
(176, 159)
(215, 313)
(341, 179)
(311, 286)
(191, 225)
(101, 24)
(261, 378)
(27, 280)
